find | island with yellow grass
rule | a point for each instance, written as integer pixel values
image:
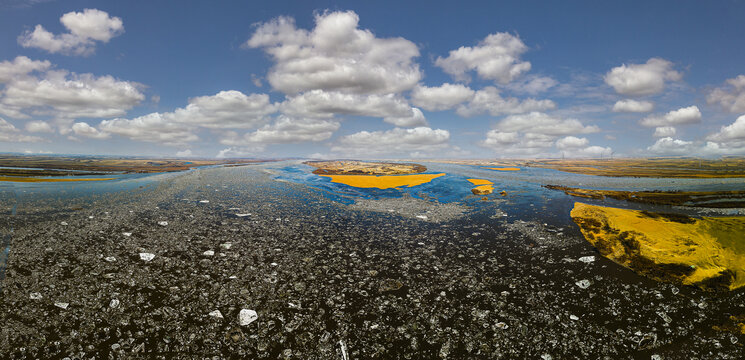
(353, 167)
(707, 252)
(383, 181)
(484, 187)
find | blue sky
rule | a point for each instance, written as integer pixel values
(373, 79)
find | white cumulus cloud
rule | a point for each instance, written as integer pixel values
(396, 141)
(285, 130)
(670, 146)
(30, 87)
(326, 104)
(541, 123)
(85, 29)
(85, 130)
(416, 119)
(535, 133)
(682, 116)
(152, 127)
(336, 55)
(731, 96)
(38, 126)
(642, 79)
(636, 106)
(226, 109)
(734, 132)
(9, 133)
(496, 57)
(571, 142)
(443, 97)
(489, 100)
(664, 131)
(532, 84)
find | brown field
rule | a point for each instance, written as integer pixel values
(649, 167)
(36, 179)
(674, 167)
(56, 165)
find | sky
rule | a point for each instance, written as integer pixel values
(364, 79)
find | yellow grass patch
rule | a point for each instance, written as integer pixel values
(384, 181)
(708, 252)
(480, 182)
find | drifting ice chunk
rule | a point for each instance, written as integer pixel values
(247, 316)
(587, 259)
(147, 256)
(163, 223)
(216, 314)
(61, 305)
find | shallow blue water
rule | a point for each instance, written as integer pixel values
(528, 181)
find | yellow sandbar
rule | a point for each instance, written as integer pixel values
(708, 252)
(480, 182)
(33, 179)
(383, 181)
(504, 169)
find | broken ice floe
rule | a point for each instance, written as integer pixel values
(147, 256)
(583, 284)
(247, 316)
(61, 305)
